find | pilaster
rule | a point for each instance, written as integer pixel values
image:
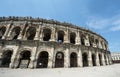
(9, 33)
(53, 34)
(90, 59)
(37, 33)
(50, 59)
(41, 34)
(66, 39)
(32, 58)
(77, 40)
(20, 36)
(66, 59)
(97, 59)
(7, 30)
(14, 57)
(87, 40)
(79, 62)
(103, 59)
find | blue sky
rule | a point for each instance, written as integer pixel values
(101, 16)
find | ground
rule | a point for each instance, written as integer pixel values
(98, 71)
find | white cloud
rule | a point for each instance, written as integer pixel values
(115, 28)
(97, 23)
(110, 24)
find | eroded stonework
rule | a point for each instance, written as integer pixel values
(27, 42)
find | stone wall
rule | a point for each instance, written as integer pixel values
(39, 43)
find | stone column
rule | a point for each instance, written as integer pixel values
(9, 33)
(77, 40)
(25, 33)
(37, 33)
(41, 34)
(103, 45)
(97, 59)
(103, 59)
(66, 58)
(107, 59)
(20, 34)
(99, 44)
(66, 39)
(79, 62)
(32, 58)
(56, 35)
(53, 34)
(50, 59)
(13, 58)
(6, 32)
(90, 59)
(16, 59)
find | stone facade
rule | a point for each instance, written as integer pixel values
(115, 57)
(27, 42)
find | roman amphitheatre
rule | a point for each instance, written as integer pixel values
(27, 42)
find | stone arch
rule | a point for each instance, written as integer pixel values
(42, 61)
(94, 59)
(102, 45)
(100, 59)
(46, 34)
(2, 31)
(105, 46)
(72, 37)
(6, 58)
(60, 36)
(24, 59)
(91, 40)
(83, 39)
(31, 33)
(85, 59)
(59, 60)
(97, 42)
(15, 32)
(73, 59)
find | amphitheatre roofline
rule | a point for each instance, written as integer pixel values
(50, 21)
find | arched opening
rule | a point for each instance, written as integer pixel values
(46, 34)
(15, 32)
(31, 33)
(82, 39)
(85, 59)
(60, 36)
(105, 46)
(24, 59)
(93, 59)
(102, 44)
(73, 60)
(2, 31)
(42, 61)
(105, 59)
(6, 58)
(72, 37)
(100, 59)
(59, 60)
(91, 40)
(97, 43)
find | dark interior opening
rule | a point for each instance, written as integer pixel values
(42, 61)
